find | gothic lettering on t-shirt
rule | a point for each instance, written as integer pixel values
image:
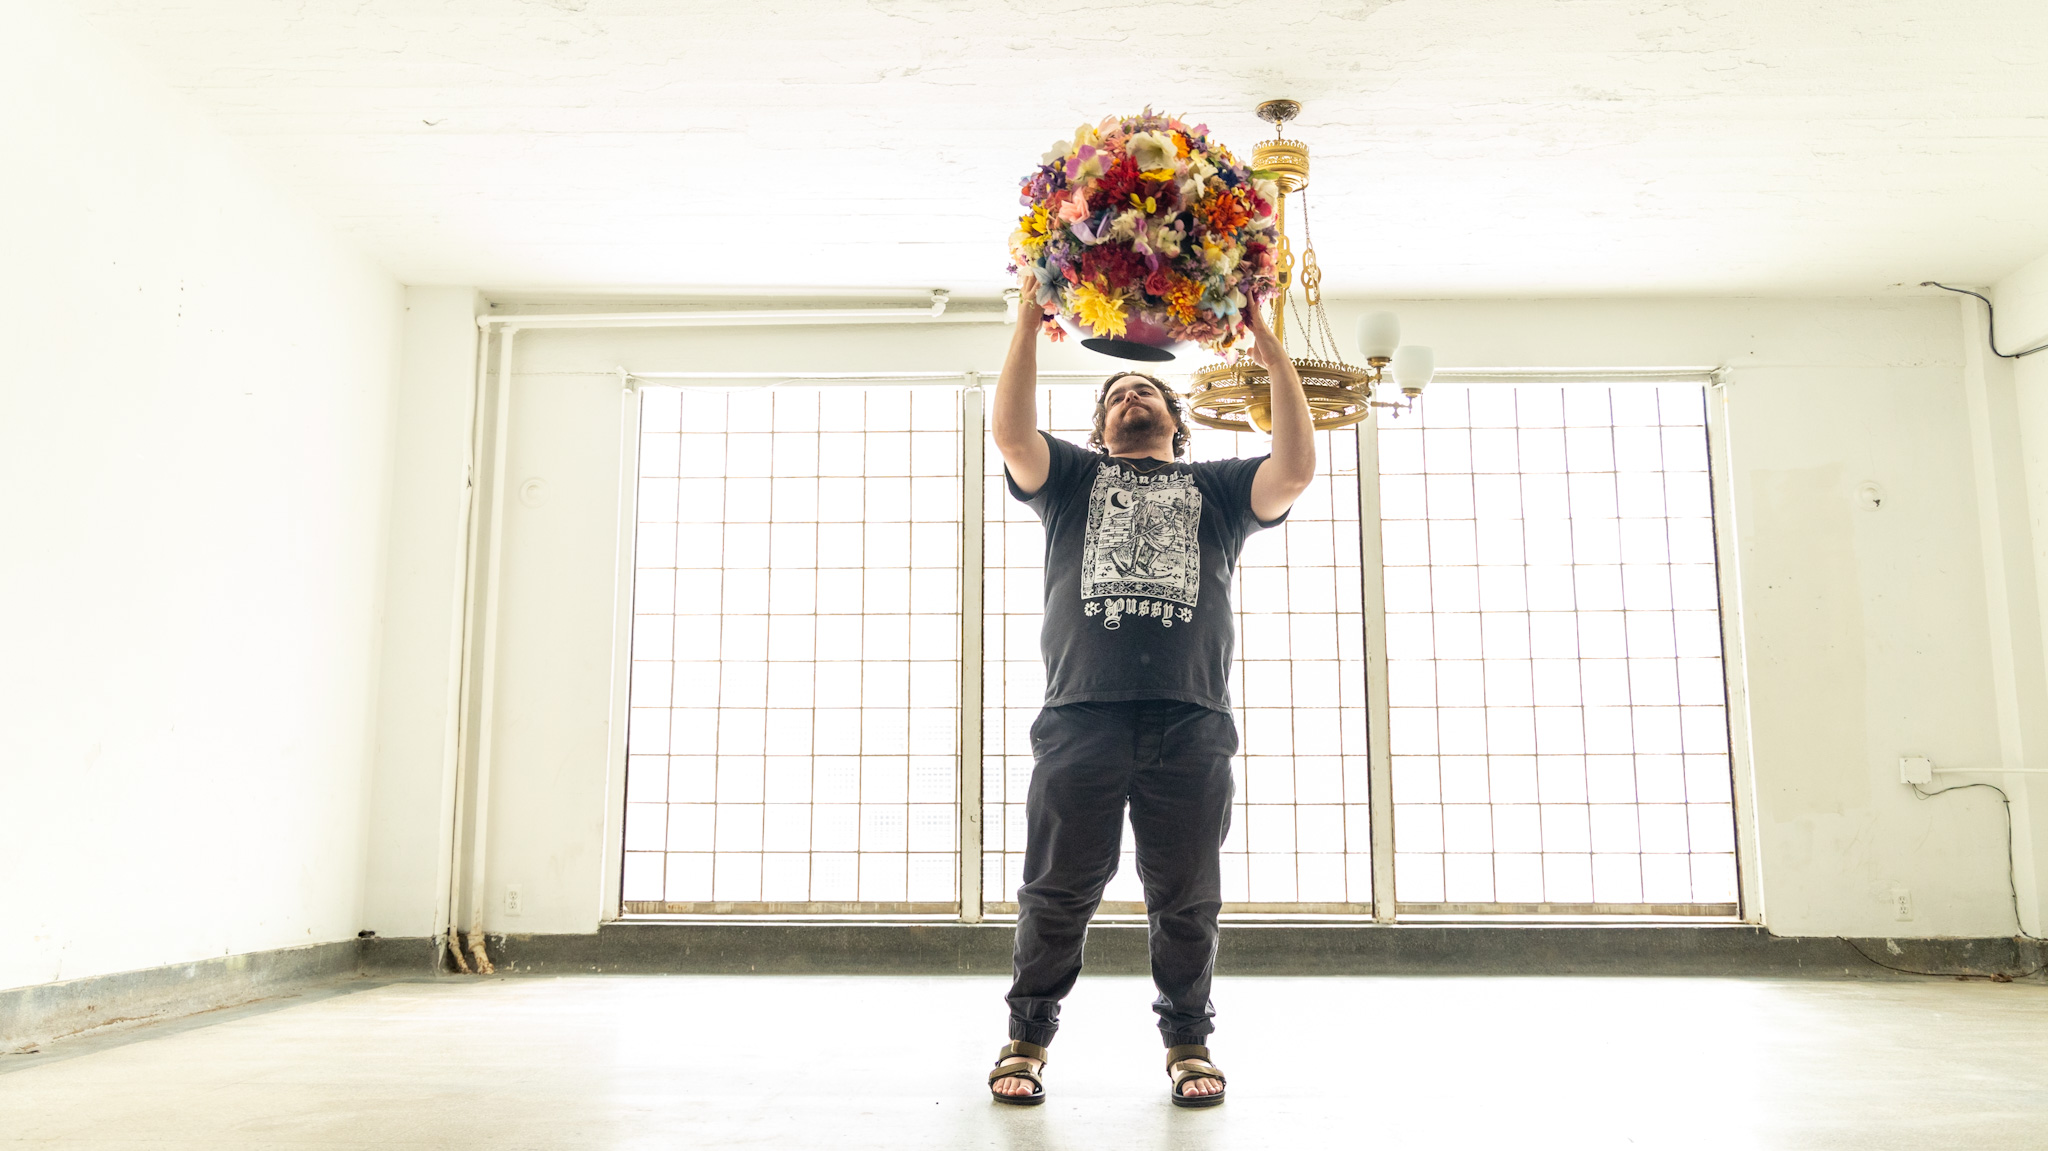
(1142, 555)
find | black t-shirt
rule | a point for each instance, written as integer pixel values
(1139, 556)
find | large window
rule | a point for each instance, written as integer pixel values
(1555, 732)
(1559, 733)
(795, 651)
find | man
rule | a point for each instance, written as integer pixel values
(1138, 638)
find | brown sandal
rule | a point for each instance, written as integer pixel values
(1025, 1071)
(1191, 1061)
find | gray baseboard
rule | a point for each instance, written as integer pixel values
(31, 1016)
(1289, 949)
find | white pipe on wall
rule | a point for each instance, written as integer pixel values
(488, 655)
(460, 735)
(937, 313)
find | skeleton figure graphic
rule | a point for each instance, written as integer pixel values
(1142, 536)
(1154, 525)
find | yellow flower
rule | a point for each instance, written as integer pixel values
(1101, 311)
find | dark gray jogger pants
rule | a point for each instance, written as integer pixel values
(1171, 762)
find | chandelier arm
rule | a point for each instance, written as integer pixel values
(1237, 395)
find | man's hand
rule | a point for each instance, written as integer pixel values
(1013, 418)
(1266, 349)
(1287, 473)
(1028, 306)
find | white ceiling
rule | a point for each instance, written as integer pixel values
(1461, 147)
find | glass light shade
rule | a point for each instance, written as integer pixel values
(1414, 364)
(1378, 334)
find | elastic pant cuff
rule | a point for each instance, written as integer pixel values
(1032, 1033)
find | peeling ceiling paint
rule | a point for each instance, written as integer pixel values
(1460, 147)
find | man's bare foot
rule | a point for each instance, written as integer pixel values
(1015, 1085)
(1195, 1088)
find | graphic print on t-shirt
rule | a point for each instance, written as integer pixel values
(1142, 554)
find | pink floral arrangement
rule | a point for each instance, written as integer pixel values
(1141, 225)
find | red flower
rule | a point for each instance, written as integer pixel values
(1114, 265)
(1160, 283)
(1116, 185)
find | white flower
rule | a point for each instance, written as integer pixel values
(1152, 151)
(1165, 238)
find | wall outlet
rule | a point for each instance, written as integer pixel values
(1916, 769)
(514, 904)
(1902, 904)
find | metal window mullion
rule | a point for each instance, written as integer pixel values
(1471, 478)
(973, 530)
(1628, 678)
(718, 653)
(1734, 667)
(1378, 727)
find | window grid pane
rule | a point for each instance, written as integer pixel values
(1558, 723)
(793, 733)
(1300, 828)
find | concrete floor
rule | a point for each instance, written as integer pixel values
(718, 1061)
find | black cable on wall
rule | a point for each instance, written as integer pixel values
(1990, 322)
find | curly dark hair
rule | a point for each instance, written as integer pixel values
(1173, 404)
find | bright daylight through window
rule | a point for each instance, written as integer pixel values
(1557, 728)
(1559, 733)
(795, 650)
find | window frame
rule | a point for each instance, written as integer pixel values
(973, 904)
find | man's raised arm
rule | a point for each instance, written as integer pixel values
(1287, 473)
(1014, 419)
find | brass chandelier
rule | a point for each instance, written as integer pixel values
(1237, 395)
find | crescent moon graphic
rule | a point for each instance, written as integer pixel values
(1119, 500)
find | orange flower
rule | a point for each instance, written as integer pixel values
(1226, 212)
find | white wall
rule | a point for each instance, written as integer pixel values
(411, 801)
(194, 418)
(2014, 475)
(1867, 632)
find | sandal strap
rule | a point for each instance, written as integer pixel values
(1022, 1071)
(1178, 1059)
(1017, 1047)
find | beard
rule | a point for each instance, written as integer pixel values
(1137, 424)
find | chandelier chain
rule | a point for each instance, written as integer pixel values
(1317, 338)
(1311, 272)
(1236, 394)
